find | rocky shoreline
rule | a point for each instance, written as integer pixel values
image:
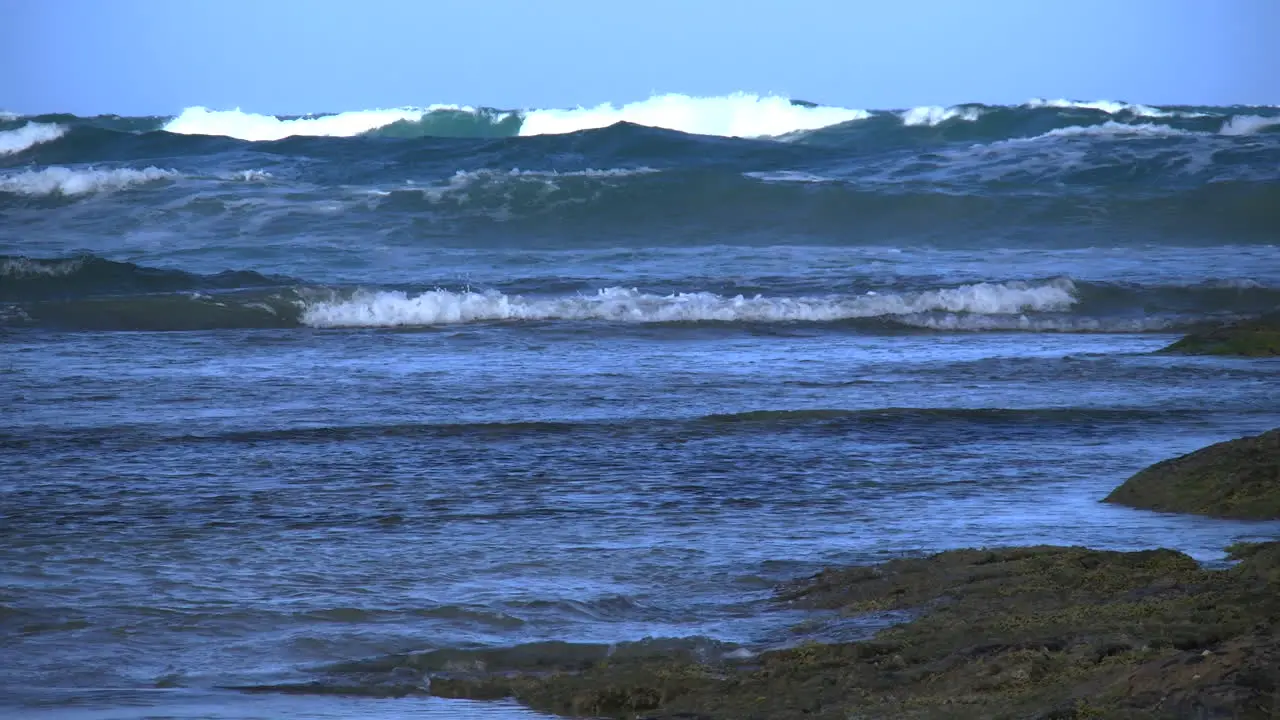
(1019, 632)
(1235, 479)
(1023, 632)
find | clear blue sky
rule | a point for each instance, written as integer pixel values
(295, 56)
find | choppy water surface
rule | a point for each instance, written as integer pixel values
(274, 402)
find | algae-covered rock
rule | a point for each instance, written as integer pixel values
(1238, 479)
(1250, 338)
(1038, 632)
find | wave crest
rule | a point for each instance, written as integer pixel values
(68, 181)
(1248, 124)
(1110, 107)
(934, 115)
(736, 115)
(24, 267)
(1115, 129)
(29, 135)
(740, 114)
(258, 128)
(441, 307)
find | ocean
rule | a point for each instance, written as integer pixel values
(284, 393)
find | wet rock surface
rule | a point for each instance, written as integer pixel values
(1238, 479)
(1034, 632)
(1249, 338)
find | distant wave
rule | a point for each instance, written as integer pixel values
(1110, 107)
(1113, 128)
(1029, 323)
(745, 115)
(948, 200)
(736, 115)
(29, 135)
(501, 189)
(933, 115)
(1055, 189)
(78, 182)
(739, 114)
(399, 309)
(1249, 124)
(69, 181)
(258, 128)
(1079, 174)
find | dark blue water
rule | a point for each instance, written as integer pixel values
(450, 380)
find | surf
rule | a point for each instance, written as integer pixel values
(28, 136)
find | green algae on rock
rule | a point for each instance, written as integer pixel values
(1237, 478)
(1036, 632)
(1250, 338)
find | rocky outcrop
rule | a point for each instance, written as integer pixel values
(1237, 479)
(1249, 338)
(1030, 632)
(1036, 632)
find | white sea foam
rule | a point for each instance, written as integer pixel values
(254, 127)
(468, 176)
(1239, 125)
(791, 176)
(1110, 107)
(29, 135)
(24, 267)
(936, 115)
(457, 186)
(249, 176)
(740, 114)
(1248, 124)
(1036, 324)
(6, 116)
(439, 307)
(68, 181)
(736, 115)
(1231, 284)
(1109, 128)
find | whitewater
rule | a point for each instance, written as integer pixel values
(31, 134)
(735, 115)
(393, 309)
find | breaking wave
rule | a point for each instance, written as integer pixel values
(740, 115)
(70, 181)
(29, 135)
(1108, 106)
(736, 115)
(89, 292)
(933, 115)
(258, 128)
(1113, 128)
(437, 307)
(1249, 124)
